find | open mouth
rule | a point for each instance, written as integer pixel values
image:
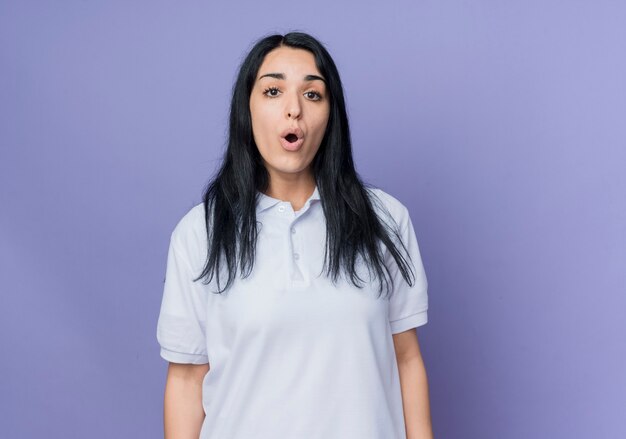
(291, 138)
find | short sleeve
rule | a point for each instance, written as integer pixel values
(181, 323)
(408, 304)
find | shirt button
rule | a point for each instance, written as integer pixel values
(293, 230)
(296, 255)
(281, 208)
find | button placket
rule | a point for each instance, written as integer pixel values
(295, 250)
(289, 217)
(294, 243)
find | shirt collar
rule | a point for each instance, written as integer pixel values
(265, 201)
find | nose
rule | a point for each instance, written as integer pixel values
(293, 108)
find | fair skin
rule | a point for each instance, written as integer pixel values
(414, 385)
(183, 413)
(289, 92)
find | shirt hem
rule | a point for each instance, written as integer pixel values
(182, 357)
(409, 322)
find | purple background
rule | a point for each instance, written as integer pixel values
(500, 124)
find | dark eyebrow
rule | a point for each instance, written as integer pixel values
(282, 76)
(314, 78)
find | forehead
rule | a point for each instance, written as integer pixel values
(293, 63)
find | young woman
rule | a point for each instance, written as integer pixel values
(293, 290)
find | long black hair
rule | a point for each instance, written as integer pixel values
(353, 229)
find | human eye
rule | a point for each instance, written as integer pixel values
(271, 92)
(313, 95)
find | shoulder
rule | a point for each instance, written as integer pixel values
(189, 236)
(387, 206)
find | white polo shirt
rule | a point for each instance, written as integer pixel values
(292, 356)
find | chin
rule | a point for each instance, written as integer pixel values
(289, 168)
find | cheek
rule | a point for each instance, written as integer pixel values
(260, 124)
(320, 125)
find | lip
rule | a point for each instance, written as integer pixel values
(292, 146)
(292, 130)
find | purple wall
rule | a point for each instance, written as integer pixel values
(501, 125)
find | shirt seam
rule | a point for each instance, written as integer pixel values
(410, 315)
(184, 353)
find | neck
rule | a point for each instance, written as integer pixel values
(295, 190)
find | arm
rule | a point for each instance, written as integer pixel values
(414, 385)
(182, 405)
